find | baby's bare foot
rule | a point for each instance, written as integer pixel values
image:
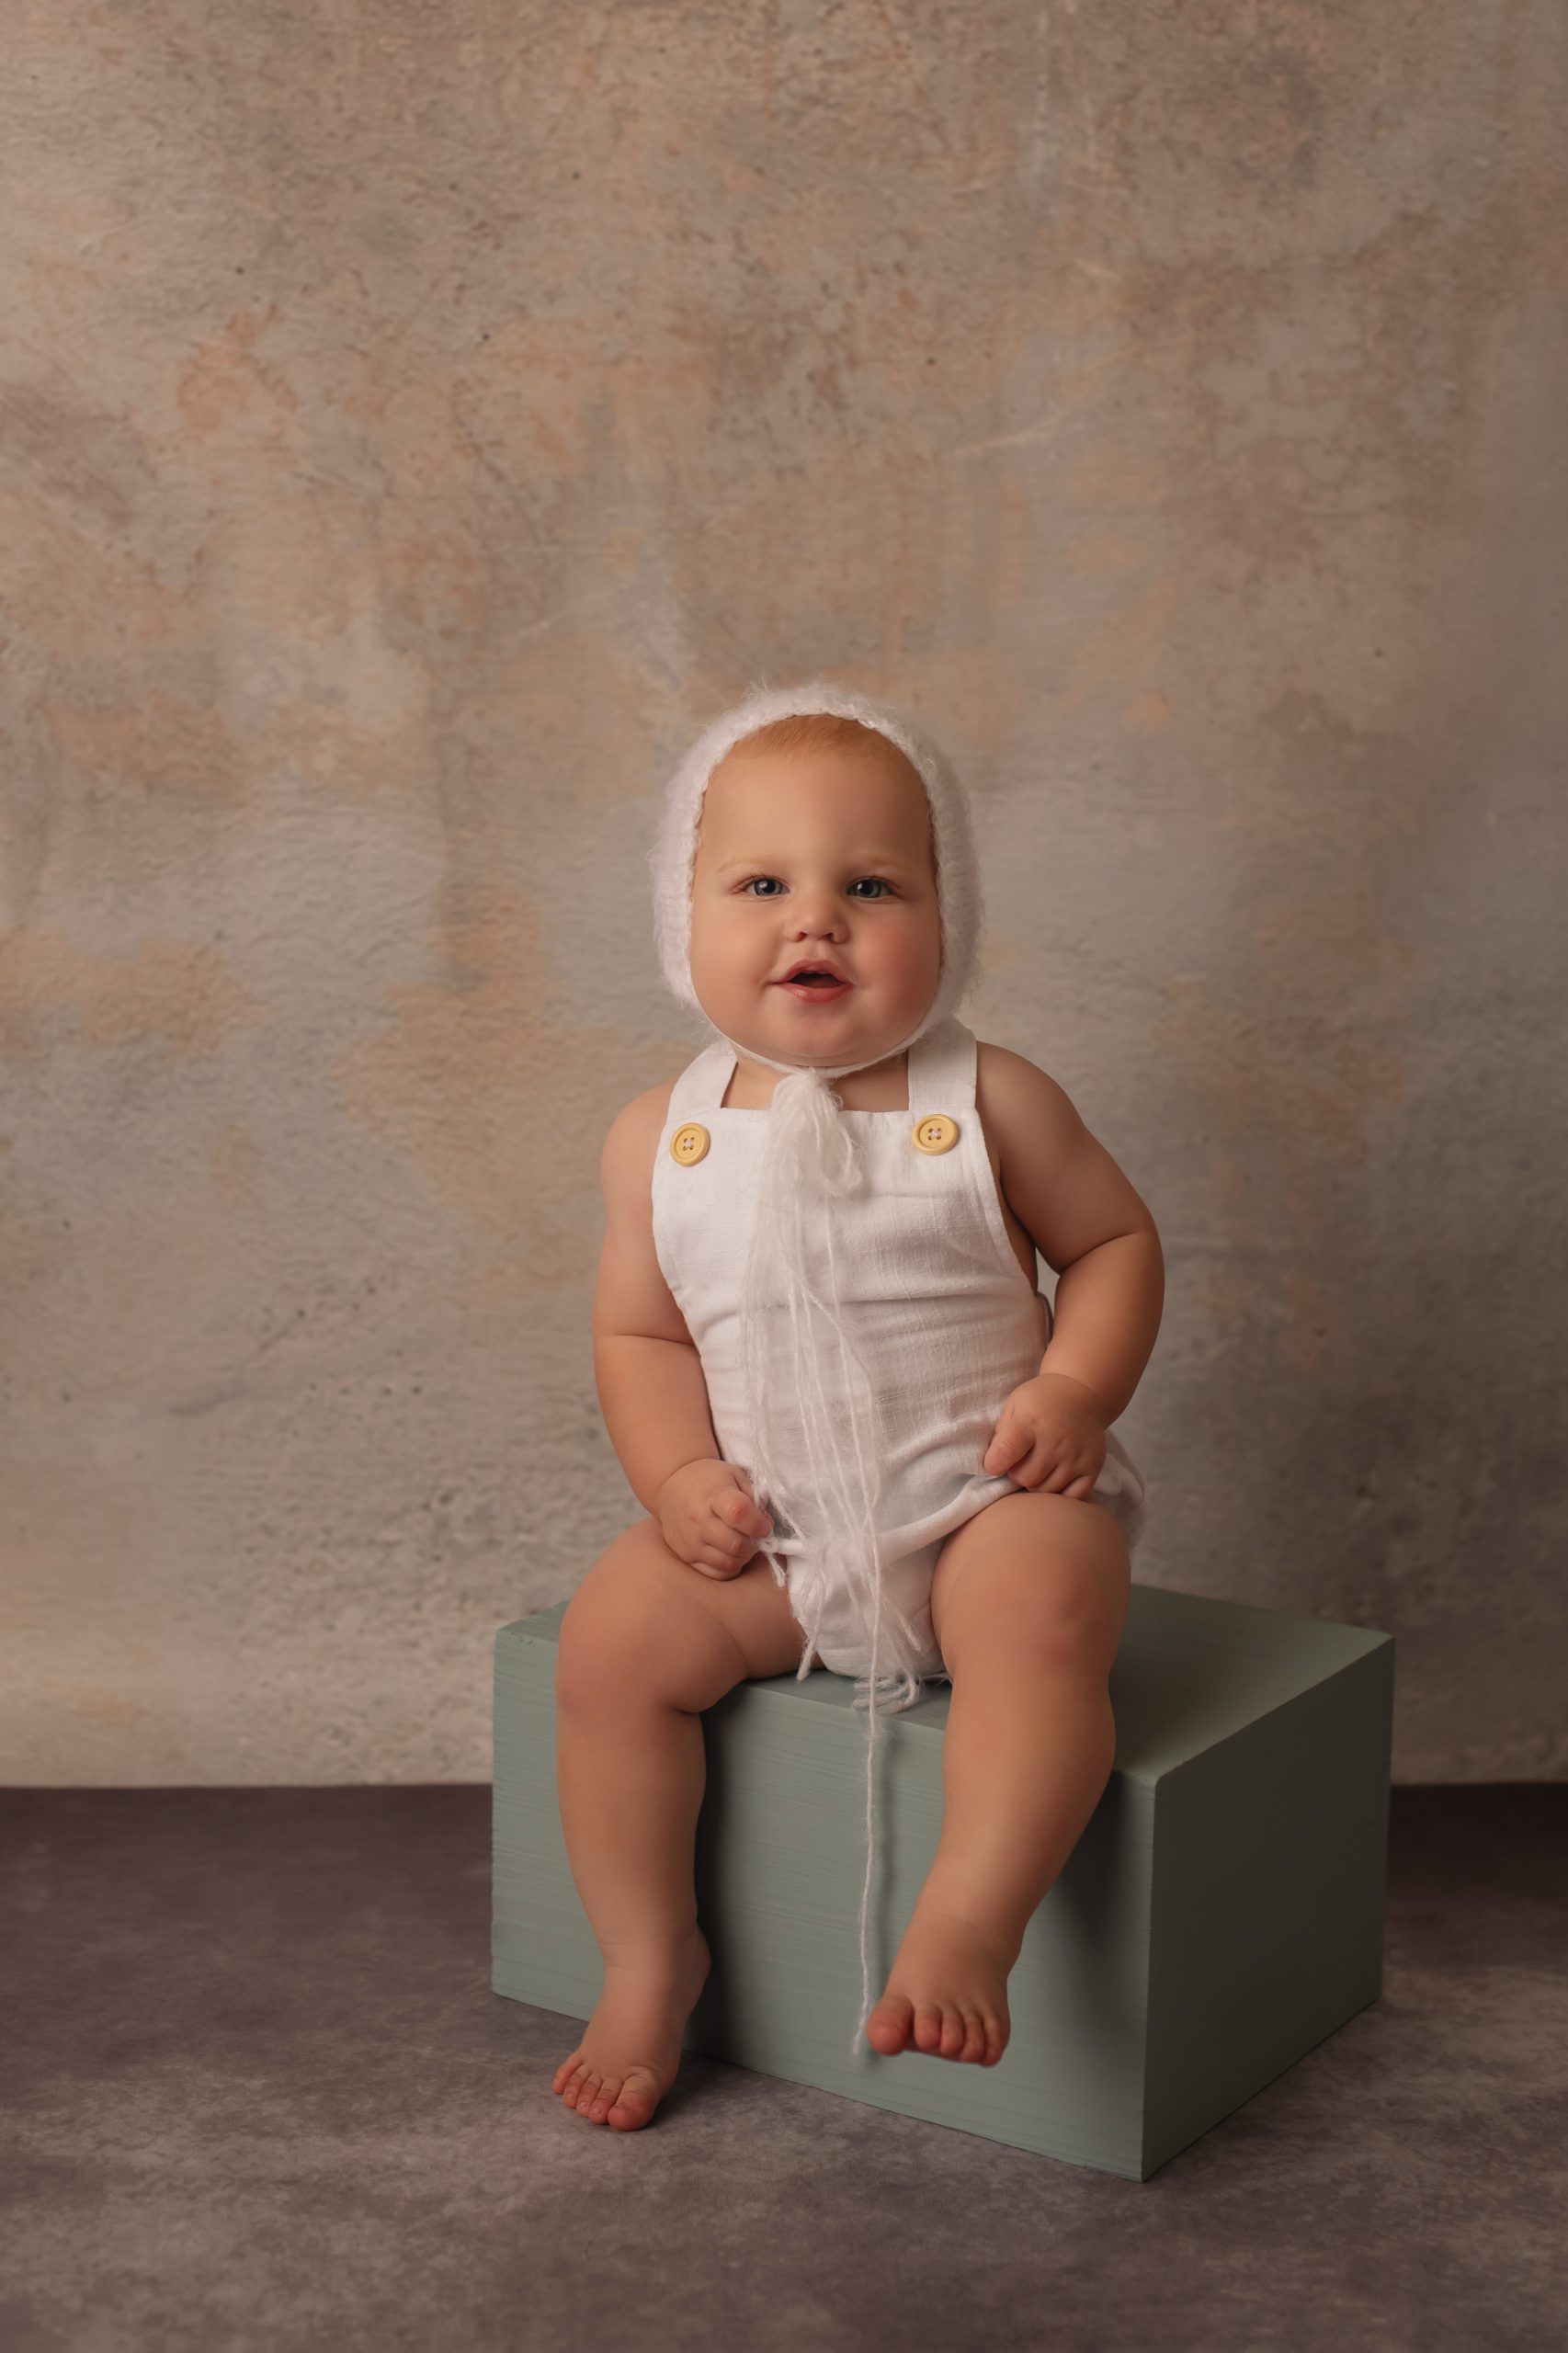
(946, 1994)
(631, 2047)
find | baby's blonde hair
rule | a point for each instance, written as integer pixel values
(813, 731)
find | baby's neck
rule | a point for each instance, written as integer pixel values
(882, 1087)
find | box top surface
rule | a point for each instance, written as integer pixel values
(1190, 1672)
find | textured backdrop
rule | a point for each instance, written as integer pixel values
(414, 422)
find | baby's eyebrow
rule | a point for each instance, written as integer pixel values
(866, 857)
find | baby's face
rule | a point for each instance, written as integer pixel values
(809, 855)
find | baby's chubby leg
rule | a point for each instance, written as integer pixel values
(1028, 1603)
(647, 1642)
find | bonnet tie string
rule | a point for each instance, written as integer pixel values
(809, 1157)
(809, 1160)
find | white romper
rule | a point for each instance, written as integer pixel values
(943, 1316)
(945, 1319)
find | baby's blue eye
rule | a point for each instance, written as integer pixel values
(882, 885)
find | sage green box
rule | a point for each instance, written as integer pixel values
(1221, 1915)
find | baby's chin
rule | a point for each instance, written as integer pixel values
(847, 1029)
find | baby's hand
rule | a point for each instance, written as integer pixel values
(711, 1519)
(1050, 1437)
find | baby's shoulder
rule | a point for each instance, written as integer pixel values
(1014, 1097)
(639, 1123)
(1006, 1069)
(631, 1144)
(995, 1061)
(651, 1108)
(1007, 1075)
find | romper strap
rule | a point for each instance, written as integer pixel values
(941, 1075)
(698, 1091)
(942, 1067)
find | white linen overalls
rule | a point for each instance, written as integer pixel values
(943, 1318)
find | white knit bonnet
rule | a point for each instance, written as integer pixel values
(674, 856)
(793, 1324)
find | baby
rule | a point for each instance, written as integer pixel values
(863, 1439)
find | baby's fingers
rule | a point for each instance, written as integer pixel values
(739, 1512)
(1070, 1478)
(724, 1547)
(1031, 1467)
(1049, 1470)
(712, 1552)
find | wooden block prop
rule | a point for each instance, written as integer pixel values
(1221, 1915)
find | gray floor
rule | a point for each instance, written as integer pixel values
(260, 2095)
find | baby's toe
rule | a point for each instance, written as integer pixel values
(887, 2029)
(929, 2030)
(638, 2098)
(565, 2072)
(604, 2098)
(584, 2091)
(973, 2038)
(953, 2032)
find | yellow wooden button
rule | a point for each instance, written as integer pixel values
(936, 1132)
(688, 1143)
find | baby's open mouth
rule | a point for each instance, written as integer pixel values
(814, 984)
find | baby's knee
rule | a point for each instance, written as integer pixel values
(604, 1629)
(628, 1631)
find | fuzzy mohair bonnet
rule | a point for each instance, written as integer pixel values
(793, 1326)
(674, 856)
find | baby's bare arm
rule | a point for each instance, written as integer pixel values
(647, 1371)
(1089, 1225)
(649, 1374)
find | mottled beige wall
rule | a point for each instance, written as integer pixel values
(416, 422)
